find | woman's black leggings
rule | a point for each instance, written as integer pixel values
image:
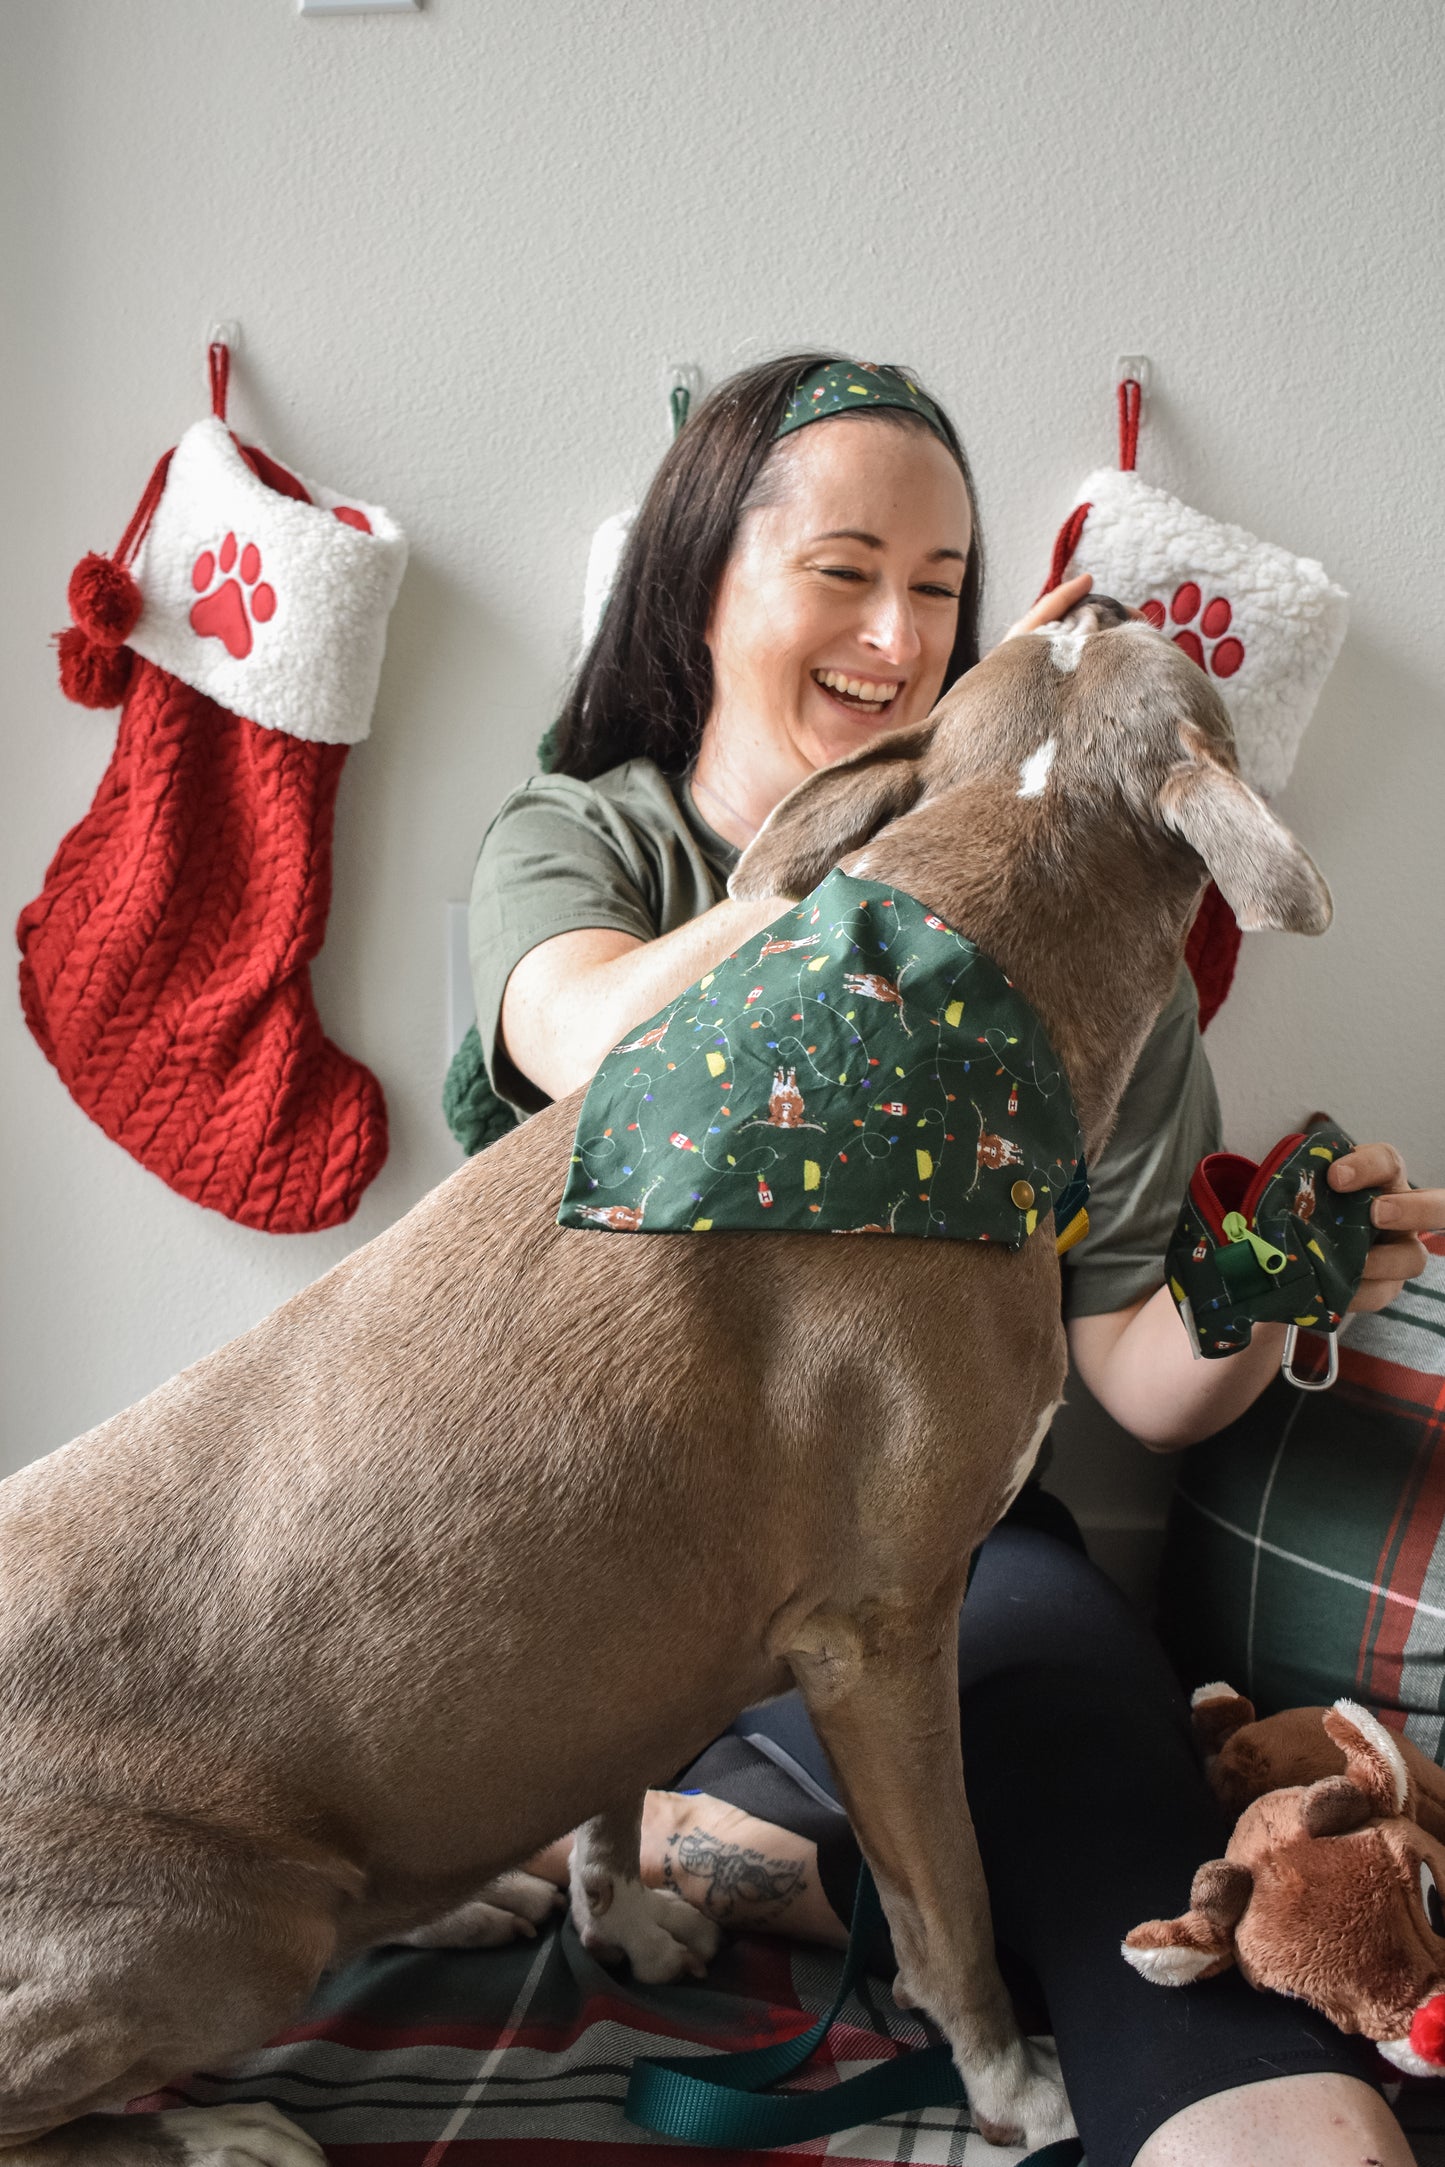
(1092, 1814)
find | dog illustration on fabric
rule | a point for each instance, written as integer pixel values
(874, 1226)
(994, 1152)
(785, 1103)
(786, 1108)
(783, 948)
(870, 986)
(620, 1218)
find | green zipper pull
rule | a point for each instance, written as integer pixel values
(1268, 1258)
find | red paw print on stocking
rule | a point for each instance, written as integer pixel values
(1207, 646)
(227, 612)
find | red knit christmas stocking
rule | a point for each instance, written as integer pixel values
(165, 961)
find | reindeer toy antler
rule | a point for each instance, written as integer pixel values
(1330, 1889)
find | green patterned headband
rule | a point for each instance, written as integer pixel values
(848, 387)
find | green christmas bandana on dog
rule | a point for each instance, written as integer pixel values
(858, 1067)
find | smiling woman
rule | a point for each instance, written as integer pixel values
(646, 687)
(838, 611)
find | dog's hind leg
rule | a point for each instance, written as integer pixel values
(250, 2134)
(136, 1945)
(658, 1931)
(882, 1690)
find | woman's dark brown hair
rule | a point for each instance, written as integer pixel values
(645, 685)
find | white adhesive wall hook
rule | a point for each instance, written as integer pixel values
(222, 339)
(682, 389)
(1139, 368)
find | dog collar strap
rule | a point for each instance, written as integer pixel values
(858, 1067)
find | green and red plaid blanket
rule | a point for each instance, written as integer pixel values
(1306, 1549)
(519, 2057)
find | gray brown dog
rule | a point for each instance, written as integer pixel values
(499, 1523)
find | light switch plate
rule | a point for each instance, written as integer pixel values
(357, 7)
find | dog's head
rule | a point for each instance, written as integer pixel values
(1096, 720)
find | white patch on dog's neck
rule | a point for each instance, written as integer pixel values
(1065, 648)
(1034, 772)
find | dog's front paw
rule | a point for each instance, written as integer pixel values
(511, 1908)
(530, 1900)
(658, 1932)
(1019, 2098)
(249, 2133)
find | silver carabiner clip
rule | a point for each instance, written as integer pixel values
(1310, 1384)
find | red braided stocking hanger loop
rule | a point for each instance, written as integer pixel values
(218, 368)
(1131, 403)
(1212, 951)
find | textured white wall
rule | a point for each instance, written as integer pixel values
(463, 244)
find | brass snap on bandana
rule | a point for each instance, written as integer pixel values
(858, 1067)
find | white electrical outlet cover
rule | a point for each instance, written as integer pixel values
(357, 7)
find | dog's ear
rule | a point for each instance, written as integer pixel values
(1260, 870)
(1200, 1942)
(833, 811)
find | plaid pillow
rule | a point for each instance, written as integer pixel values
(1305, 1555)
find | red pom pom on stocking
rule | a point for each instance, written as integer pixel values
(92, 675)
(105, 601)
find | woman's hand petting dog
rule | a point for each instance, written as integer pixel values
(1055, 604)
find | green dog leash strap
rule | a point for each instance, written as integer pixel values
(700, 2110)
(719, 2099)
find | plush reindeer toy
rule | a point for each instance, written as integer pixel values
(1332, 1887)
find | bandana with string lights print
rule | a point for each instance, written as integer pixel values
(858, 1067)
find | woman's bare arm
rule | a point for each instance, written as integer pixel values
(1139, 1362)
(1140, 1366)
(570, 999)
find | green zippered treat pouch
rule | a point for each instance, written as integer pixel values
(1268, 1243)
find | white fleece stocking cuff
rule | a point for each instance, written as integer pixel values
(273, 608)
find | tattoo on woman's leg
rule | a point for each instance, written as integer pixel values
(735, 1877)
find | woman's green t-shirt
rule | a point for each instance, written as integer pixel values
(630, 852)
